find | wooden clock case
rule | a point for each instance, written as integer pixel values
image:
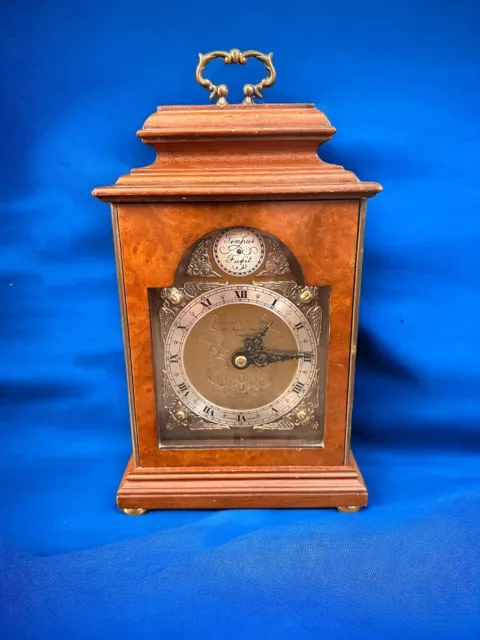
(239, 165)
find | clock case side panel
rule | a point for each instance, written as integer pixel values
(362, 212)
(153, 239)
(125, 333)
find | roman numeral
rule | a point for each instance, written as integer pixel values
(241, 418)
(183, 388)
(208, 411)
(241, 295)
(206, 303)
(307, 357)
(274, 410)
(174, 359)
(298, 387)
(299, 326)
(180, 327)
(274, 302)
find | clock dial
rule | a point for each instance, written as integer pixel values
(240, 355)
(239, 251)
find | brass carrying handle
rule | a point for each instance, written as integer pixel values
(233, 57)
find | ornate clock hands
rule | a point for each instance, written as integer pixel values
(263, 358)
(254, 344)
(255, 353)
(253, 350)
(266, 357)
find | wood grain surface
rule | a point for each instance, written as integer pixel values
(153, 240)
(208, 153)
(242, 488)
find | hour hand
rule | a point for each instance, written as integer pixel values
(254, 344)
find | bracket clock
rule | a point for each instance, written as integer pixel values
(239, 256)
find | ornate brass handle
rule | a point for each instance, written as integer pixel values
(233, 57)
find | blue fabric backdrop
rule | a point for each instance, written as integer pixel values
(400, 82)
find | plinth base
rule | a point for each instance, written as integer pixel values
(144, 488)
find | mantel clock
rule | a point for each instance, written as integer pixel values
(239, 255)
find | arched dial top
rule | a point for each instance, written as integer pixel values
(240, 355)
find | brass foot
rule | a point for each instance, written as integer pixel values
(352, 509)
(134, 512)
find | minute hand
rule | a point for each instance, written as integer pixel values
(267, 357)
